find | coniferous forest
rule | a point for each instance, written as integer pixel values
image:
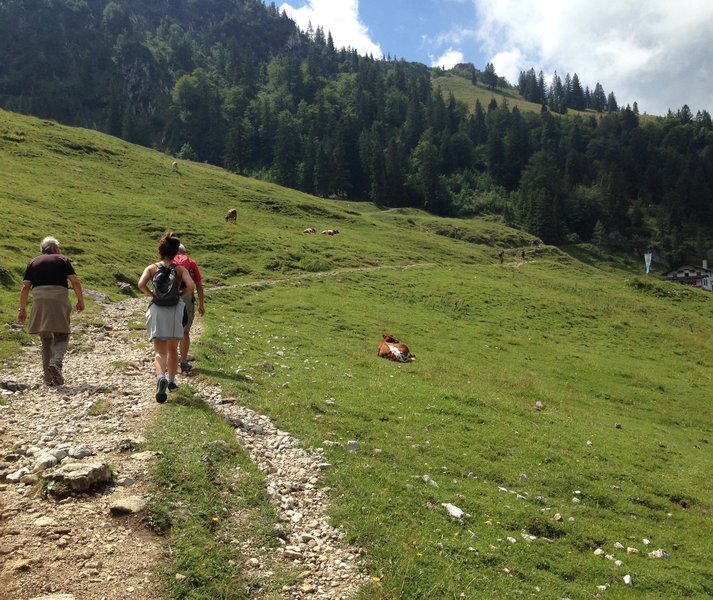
(236, 84)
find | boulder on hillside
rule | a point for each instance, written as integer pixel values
(79, 477)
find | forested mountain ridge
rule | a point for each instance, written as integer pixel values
(236, 84)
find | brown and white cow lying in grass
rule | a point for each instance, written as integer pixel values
(330, 231)
(394, 350)
(310, 230)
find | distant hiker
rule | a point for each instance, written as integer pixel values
(190, 300)
(164, 317)
(523, 254)
(174, 166)
(46, 275)
(501, 256)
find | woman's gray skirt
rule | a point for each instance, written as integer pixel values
(165, 322)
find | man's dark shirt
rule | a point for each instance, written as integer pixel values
(49, 269)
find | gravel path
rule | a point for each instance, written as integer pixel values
(78, 548)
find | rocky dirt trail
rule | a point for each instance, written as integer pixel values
(92, 544)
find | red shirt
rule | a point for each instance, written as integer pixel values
(190, 265)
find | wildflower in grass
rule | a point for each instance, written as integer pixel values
(377, 578)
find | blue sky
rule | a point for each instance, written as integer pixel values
(655, 52)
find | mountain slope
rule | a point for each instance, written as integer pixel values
(619, 452)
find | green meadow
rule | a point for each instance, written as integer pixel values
(466, 92)
(563, 405)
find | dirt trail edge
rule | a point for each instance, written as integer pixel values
(85, 546)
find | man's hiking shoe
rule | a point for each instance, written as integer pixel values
(186, 367)
(161, 387)
(56, 375)
(172, 386)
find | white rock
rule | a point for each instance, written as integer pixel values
(631, 550)
(81, 451)
(645, 542)
(628, 580)
(429, 481)
(453, 510)
(660, 553)
(598, 552)
(618, 546)
(45, 461)
(17, 475)
(130, 505)
(81, 477)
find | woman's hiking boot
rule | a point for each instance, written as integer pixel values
(161, 387)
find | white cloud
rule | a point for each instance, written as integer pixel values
(341, 18)
(448, 59)
(655, 52)
(456, 36)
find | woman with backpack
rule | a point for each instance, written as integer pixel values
(164, 317)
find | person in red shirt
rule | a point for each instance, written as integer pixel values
(46, 276)
(190, 265)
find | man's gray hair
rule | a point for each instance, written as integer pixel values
(182, 249)
(49, 245)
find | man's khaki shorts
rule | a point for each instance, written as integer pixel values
(190, 312)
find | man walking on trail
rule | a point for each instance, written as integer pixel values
(190, 265)
(46, 276)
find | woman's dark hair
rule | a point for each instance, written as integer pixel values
(168, 246)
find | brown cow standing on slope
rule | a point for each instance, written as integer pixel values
(231, 215)
(392, 349)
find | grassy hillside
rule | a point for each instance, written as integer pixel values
(620, 451)
(466, 92)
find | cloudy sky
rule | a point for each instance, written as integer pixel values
(658, 53)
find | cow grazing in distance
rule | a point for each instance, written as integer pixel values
(331, 231)
(231, 215)
(174, 166)
(392, 349)
(310, 230)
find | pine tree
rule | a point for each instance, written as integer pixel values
(599, 98)
(490, 78)
(576, 97)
